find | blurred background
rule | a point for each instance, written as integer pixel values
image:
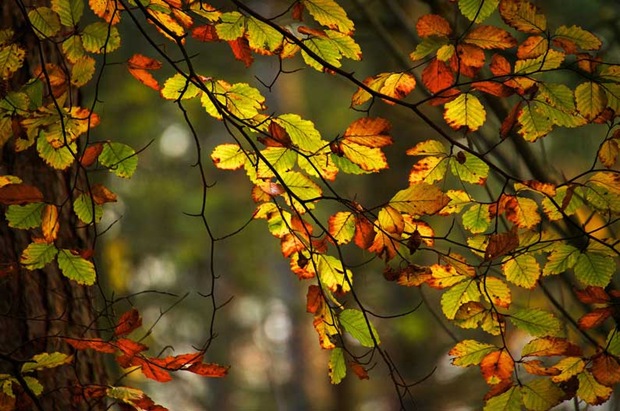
(152, 248)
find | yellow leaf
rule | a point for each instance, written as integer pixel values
(490, 37)
(49, 223)
(465, 111)
(591, 99)
(523, 16)
(395, 85)
(590, 390)
(228, 157)
(419, 199)
(330, 14)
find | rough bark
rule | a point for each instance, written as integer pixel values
(37, 307)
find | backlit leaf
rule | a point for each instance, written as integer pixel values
(561, 258)
(178, 87)
(232, 26)
(470, 352)
(262, 38)
(608, 153)
(337, 366)
(76, 268)
(82, 71)
(44, 21)
(469, 168)
(532, 47)
(355, 324)
(87, 211)
(26, 216)
(549, 347)
(522, 270)
(128, 322)
(228, 157)
(367, 158)
(465, 111)
(119, 158)
(11, 60)
(46, 360)
(552, 59)
(521, 210)
(419, 199)
(109, 10)
(99, 37)
(606, 369)
(342, 226)
(331, 273)
(395, 85)
(591, 99)
(433, 25)
(507, 401)
(523, 16)
(455, 297)
(330, 14)
(59, 158)
(49, 222)
(208, 369)
(437, 76)
(497, 366)
(590, 390)
(490, 37)
(477, 218)
(38, 255)
(584, 39)
(594, 269)
(496, 292)
(369, 132)
(302, 132)
(428, 46)
(536, 322)
(541, 394)
(301, 186)
(477, 10)
(569, 367)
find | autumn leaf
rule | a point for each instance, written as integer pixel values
(497, 366)
(465, 111)
(128, 322)
(139, 66)
(49, 223)
(470, 352)
(590, 390)
(437, 76)
(208, 370)
(490, 37)
(523, 16)
(96, 344)
(20, 194)
(419, 199)
(433, 25)
(394, 85)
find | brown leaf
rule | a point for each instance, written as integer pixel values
(241, 49)
(20, 194)
(606, 369)
(49, 223)
(90, 155)
(314, 299)
(128, 322)
(101, 194)
(96, 344)
(360, 371)
(595, 318)
(501, 244)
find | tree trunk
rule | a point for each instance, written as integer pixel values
(37, 307)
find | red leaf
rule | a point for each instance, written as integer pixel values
(241, 49)
(128, 322)
(493, 88)
(96, 344)
(139, 61)
(209, 369)
(360, 371)
(20, 194)
(595, 318)
(314, 299)
(437, 76)
(592, 295)
(298, 10)
(205, 33)
(147, 404)
(90, 155)
(278, 136)
(177, 362)
(130, 347)
(151, 370)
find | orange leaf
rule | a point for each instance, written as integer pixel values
(592, 295)
(20, 194)
(205, 33)
(360, 371)
(90, 155)
(130, 347)
(241, 50)
(412, 275)
(208, 369)
(532, 47)
(139, 61)
(364, 232)
(128, 322)
(369, 132)
(536, 367)
(606, 369)
(145, 78)
(493, 88)
(151, 371)
(109, 10)
(96, 344)
(510, 120)
(49, 222)
(437, 76)
(500, 66)
(497, 366)
(595, 318)
(278, 136)
(549, 347)
(523, 16)
(314, 299)
(433, 25)
(490, 37)
(177, 362)
(101, 194)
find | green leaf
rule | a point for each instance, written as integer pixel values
(613, 342)
(477, 218)
(337, 366)
(76, 268)
(470, 352)
(119, 158)
(522, 270)
(59, 158)
(82, 71)
(533, 122)
(429, 45)
(86, 210)
(244, 101)
(465, 111)
(44, 22)
(477, 10)
(591, 99)
(536, 322)
(11, 60)
(178, 87)
(561, 258)
(302, 132)
(551, 60)
(232, 26)
(330, 14)
(46, 360)
(367, 158)
(262, 37)
(590, 390)
(26, 216)
(541, 394)
(355, 324)
(471, 169)
(38, 255)
(34, 385)
(594, 269)
(70, 11)
(280, 158)
(510, 400)
(72, 48)
(458, 295)
(301, 186)
(584, 39)
(100, 37)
